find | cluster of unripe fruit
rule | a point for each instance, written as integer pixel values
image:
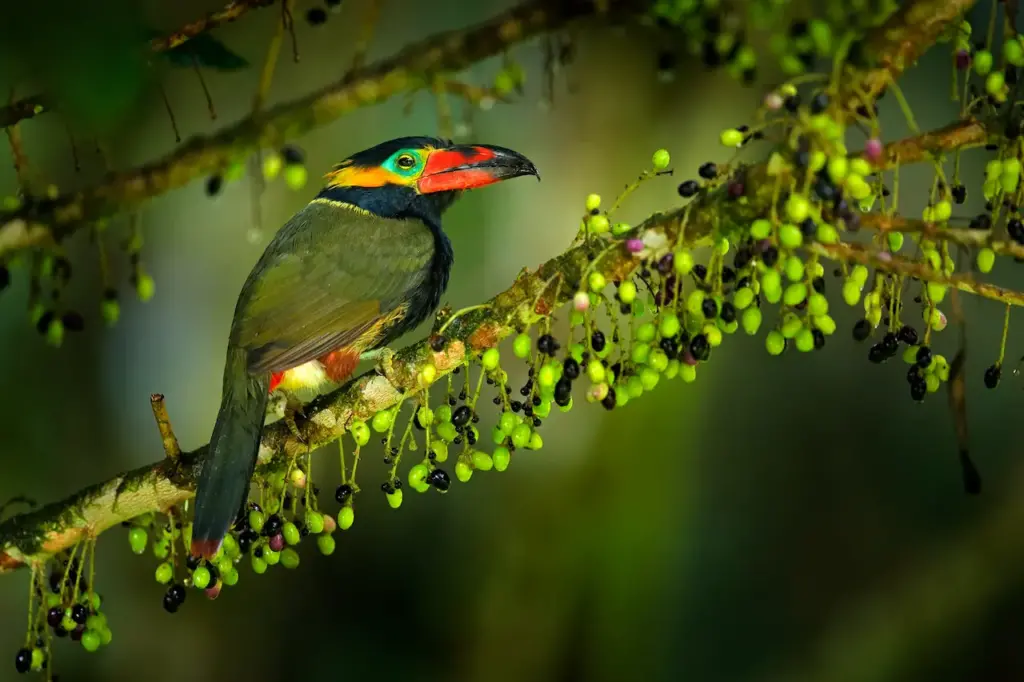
(68, 609)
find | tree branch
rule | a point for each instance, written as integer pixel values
(898, 43)
(48, 222)
(30, 107)
(33, 536)
(158, 487)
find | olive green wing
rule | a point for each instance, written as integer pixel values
(331, 273)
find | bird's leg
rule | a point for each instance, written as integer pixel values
(384, 359)
(293, 407)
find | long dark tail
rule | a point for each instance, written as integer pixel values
(229, 463)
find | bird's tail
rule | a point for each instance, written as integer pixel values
(228, 466)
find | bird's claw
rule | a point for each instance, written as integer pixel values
(385, 364)
(291, 409)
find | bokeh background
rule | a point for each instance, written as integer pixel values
(794, 518)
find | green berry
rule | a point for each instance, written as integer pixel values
(229, 576)
(463, 472)
(295, 176)
(797, 207)
(790, 236)
(646, 332)
(315, 522)
(751, 320)
(775, 342)
(501, 458)
(289, 558)
(201, 577)
(417, 475)
(895, 241)
(851, 292)
(683, 262)
(661, 159)
(761, 228)
(447, 431)
(994, 83)
(688, 373)
(827, 234)
(272, 165)
(627, 291)
(804, 340)
(291, 533)
(256, 520)
(743, 298)
(482, 461)
(164, 573)
(794, 269)
(522, 346)
(1013, 52)
(593, 202)
(145, 287)
(490, 359)
(395, 498)
(817, 304)
(598, 224)
(326, 544)
(986, 259)
(110, 310)
(360, 433)
(259, 566)
(521, 435)
(91, 640)
(346, 517)
(731, 138)
(982, 62)
(771, 286)
(382, 421)
(596, 281)
(137, 538)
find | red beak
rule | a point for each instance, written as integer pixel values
(471, 166)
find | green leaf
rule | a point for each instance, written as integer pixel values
(207, 51)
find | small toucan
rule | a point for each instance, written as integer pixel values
(364, 262)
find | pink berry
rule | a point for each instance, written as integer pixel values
(635, 245)
(873, 149)
(276, 542)
(581, 301)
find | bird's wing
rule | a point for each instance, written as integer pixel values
(331, 274)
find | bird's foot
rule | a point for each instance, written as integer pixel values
(292, 409)
(385, 363)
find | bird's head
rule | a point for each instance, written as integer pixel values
(420, 176)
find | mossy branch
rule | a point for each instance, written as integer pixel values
(35, 105)
(48, 222)
(36, 535)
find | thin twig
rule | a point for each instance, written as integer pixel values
(270, 62)
(35, 105)
(366, 30)
(206, 90)
(202, 156)
(163, 423)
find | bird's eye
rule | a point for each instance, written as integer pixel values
(406, 161)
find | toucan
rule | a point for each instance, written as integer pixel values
(361, 264)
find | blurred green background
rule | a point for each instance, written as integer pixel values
(793, 518)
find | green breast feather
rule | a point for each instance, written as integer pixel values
(329, 273)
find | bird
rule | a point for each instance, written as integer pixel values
(365, 261)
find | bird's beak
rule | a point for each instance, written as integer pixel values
(471, 166)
